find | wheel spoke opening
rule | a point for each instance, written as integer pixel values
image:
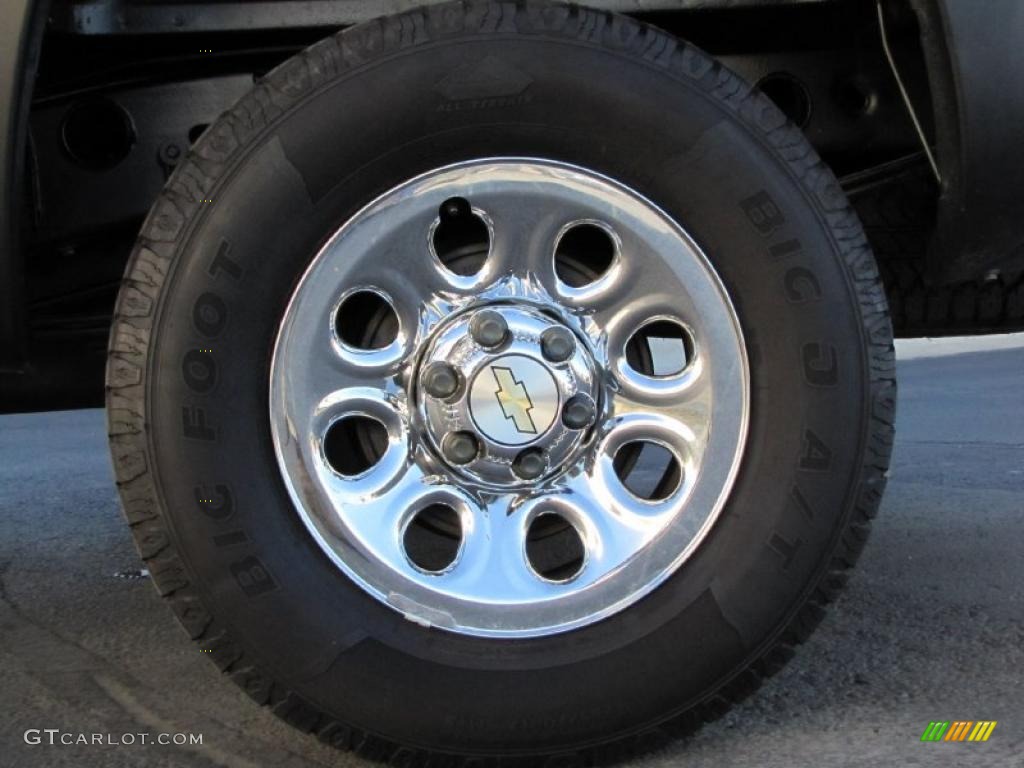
(433, 537)
(365, 320)
(648, 470)
(354, 444)
(584, 253)
(660, 348)
(461, 239)
(554, 548)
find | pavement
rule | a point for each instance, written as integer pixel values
(931, 626)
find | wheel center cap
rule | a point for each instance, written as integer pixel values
(507, 394)
(514, 400)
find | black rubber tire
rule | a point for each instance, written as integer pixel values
(364, 110)
(898, 215)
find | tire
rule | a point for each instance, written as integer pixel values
(229, 239)
(898, 215)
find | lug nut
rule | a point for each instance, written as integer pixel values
(460, 447)
(488, 328)
(579, 412)
(529, 464)
(557, 344)
(440, 380)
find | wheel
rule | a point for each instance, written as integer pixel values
(500, 380)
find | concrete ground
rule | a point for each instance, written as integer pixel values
(930, 628)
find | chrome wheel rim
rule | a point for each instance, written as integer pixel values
(493, 478)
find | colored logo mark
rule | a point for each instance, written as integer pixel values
(959, 730)
(514, 399)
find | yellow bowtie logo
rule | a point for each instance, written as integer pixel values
(514, 399)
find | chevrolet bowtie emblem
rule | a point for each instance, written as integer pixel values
(514, 399)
